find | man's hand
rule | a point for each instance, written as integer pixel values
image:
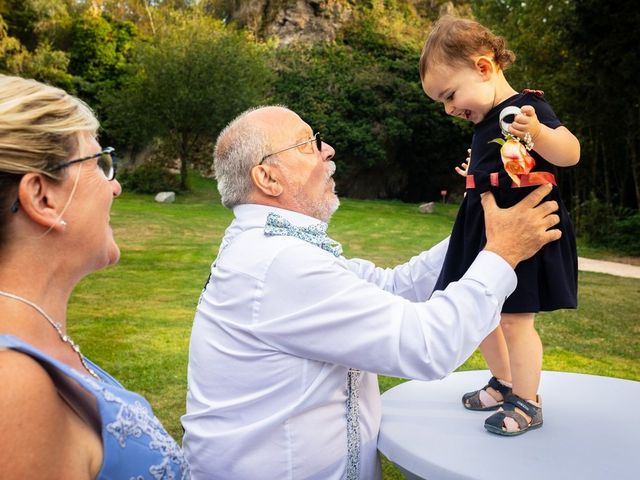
(517, 233)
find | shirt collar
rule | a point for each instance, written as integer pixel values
(251, 215)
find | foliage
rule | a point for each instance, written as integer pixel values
(365, 96)
(626, 234)
(45, 63)
(188, 81)
(166, 70)
(605, 225)
(582, 54)
(101, 47)
(594, 219)
(11, 50)
(148, 178)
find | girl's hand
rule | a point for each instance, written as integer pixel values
(464, 166)
(526, 124)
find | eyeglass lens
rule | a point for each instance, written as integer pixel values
(106, 164)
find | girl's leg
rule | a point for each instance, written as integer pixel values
(494, 350)
(525, 353)
(525, 356)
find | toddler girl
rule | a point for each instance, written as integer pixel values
(462, 66)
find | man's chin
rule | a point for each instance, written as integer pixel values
(332, 208)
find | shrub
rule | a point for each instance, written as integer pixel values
(603, 225)
(626, 234)
(594, 221)
(149, 178)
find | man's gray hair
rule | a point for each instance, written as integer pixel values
(239, 147)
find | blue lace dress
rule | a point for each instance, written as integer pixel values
(135, 444)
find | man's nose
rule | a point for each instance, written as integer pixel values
(327, 152)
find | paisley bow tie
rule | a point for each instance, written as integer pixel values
(314, 234)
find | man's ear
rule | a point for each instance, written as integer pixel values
(265, 179)
(40, 200)
(485, 67)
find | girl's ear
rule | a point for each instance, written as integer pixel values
(485, 67)
(40, 200)
(266, 180)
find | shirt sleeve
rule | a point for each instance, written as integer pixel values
(319, 309)
(413, 280)
(544, 112)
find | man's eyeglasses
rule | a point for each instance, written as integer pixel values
(107, 162)
(316, 138)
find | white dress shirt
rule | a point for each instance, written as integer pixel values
(277, 328)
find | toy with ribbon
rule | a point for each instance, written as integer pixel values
(515, 157)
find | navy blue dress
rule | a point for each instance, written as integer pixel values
(547, 281)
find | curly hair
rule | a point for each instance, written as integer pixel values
(455, 41)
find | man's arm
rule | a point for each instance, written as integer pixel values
(326, 313)
(413, 280)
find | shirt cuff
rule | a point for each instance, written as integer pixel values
(494, 272)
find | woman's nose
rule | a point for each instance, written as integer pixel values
(117, 188)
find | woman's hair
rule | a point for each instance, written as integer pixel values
(456, 41)
(39, 128)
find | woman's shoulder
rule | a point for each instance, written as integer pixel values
(28, 397)
(35, 419)
(25, 375)
(18, 366)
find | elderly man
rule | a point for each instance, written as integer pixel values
(287, 330)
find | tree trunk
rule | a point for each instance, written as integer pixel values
(184, 157)
(633, 137)
(605, 174)
(635, 168)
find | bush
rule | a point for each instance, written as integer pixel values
(594, 221)
(626, 234)
(603, 225)
(149, 178)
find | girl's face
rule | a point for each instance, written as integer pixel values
(466, 92)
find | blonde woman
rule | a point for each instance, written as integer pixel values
(62, 415)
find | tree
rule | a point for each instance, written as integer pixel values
(583, 54)
(189, 80)
(45, 64)
(363, 93)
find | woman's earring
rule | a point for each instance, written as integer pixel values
(63, 223)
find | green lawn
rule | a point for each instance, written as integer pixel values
(134, 319)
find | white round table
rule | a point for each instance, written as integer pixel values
(591, 431)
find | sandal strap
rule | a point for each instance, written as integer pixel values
(512, 401)
(519, 419)
(497, 385)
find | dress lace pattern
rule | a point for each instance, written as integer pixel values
(134, 420)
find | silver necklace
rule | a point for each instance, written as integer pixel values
(65, 338)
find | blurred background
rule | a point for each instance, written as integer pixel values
(164, 77)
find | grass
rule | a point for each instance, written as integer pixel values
(134, 319)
